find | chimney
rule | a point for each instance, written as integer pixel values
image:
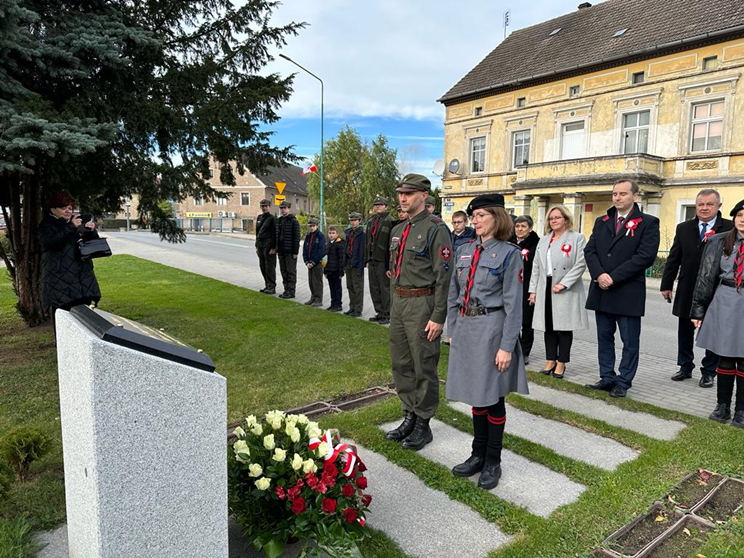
(584, 5)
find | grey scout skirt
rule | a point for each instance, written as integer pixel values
(723, 326)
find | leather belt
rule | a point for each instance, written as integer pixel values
(482, 311)
(728, 283)
(424, 291)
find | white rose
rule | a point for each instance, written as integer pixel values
(309, 466)
(251, 421)
(314, 432)
(279, 455)
(257, 429)
(322, 449)
(263, 483)
(241, 446)
(302, 419)
(255, 470)
(296, 461)
(239, 432)
(269, 443)
(295, 435)
(276, 423)
(290, 420)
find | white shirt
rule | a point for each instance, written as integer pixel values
(710, 224)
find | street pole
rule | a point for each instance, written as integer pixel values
(322, 189)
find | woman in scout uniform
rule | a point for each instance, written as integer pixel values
(717, 309)
(484, 318)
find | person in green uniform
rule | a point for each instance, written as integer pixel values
(420, 271)
(377, 258)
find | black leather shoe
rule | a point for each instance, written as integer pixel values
(404, 429)
(618, 391)
(603, 385)
(682, 375)
(263, 290)
(347, 312)
(420, 436)
(355, 314)
(473, 464)
(706, 381)
(270, 291)
(722, 413)
(490, 476)
(374, 319)
(383, 321)
(284, 295)
(526, 360)
(738, 419)
(548, 371)
(334, 308)
(309, 302)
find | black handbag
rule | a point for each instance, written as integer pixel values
(95, 248)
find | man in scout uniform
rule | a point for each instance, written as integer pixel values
(377, 258)
(355, 265)
(431, 204)
(266, 246)
(402, 216)
(313, 252)
(420, 269)
(287, 248)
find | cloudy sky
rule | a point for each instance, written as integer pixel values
(386, 62)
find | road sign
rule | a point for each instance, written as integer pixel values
(278, 198)
(449, 204)
(280, 186)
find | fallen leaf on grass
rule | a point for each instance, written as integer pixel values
(660, 518)
(686, 531)
(701, 482)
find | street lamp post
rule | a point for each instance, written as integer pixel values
(322, 212)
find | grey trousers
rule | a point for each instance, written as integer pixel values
(379, 288)
(355, 286)
(288, 267)
(315, 278)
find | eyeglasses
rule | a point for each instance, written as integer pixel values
(458, 222)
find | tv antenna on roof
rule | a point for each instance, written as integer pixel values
(507, 15)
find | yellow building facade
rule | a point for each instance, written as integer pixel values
(674, 123)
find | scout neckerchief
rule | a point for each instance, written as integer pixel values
(401, 245)
(739, 265)
(470, 279)
(351, 242)
(374, 229)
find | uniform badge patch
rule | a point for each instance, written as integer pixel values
(466, 257)
(445, 252)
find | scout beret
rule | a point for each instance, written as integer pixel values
(430, 200)
(738, 207)
(285, 204)
(485, 200)
(312, 221)
(413, 182)
(355, 215)
(264, 202)
(380, 201)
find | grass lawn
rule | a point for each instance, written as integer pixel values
(277, 354)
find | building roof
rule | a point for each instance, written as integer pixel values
(587, 39)
(291, 175)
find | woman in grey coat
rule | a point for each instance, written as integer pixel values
(557, 290)
(484, 316)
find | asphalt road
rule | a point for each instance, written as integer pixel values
(659, 326)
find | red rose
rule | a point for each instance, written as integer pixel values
(350, 515)
(280, 492)
(361, 482)
(298, 506)
(347, 491)
(329, 505)
(361, 466)
(312, 482)
(293, 492)
(367, 499)
(322, 487)
(330, 469)
(329, 481)
(300, 484)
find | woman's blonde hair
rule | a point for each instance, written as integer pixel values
(567, 215)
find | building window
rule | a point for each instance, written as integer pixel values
(221, 201)
(245, 198)
(478, 155)
(572, 140)
(478, 111)
(635, 132)
(639, 77)
(707, 126)
(710, 62)
(521, 102)
(198, 201)
(574, 91)
(521, 148)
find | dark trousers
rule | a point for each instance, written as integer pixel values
(630, 333)
(315, 279)
(527, 336)
(730, 371)
(488, 430)
(334, 285)
(685, 354)
(557, 343)
(267, 262)
(355, 286)
(288, 267)
(379, 288)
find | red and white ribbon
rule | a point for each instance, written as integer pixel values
(566, 248)
(525, 253)
(334, 451)
(631, 226)
(708, 234)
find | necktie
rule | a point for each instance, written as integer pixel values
(470, 279)
(619, 224)
(703, 231)
(351, 243)
(401, 246)
(374, 229)
(739, 265)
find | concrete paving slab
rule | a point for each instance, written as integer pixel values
(423, 521)
(643, 423)
(563, 439)
(523, 482)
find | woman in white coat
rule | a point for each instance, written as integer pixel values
(557, 290)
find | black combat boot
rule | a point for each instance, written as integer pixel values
(490, 476)
(722, 413)
(405, 428)
(474, 463)
(420, 437)
(738, 419)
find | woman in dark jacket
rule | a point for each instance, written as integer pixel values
(334, 267)
(527, 240)
(66, 280)
(717, 309)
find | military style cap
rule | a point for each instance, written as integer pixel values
(738, 207)
(485, 200)
(380, 201)
(399, 209)
(355, 215)
(264, 202)
(313, 221)
(285, 204)
(414, 183)
(430, 200)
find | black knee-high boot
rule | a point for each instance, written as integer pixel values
(726, 377)
(739, 409)
(496, 423)
(474, 463)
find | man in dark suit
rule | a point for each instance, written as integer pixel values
(684, 259)
(623, 245)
